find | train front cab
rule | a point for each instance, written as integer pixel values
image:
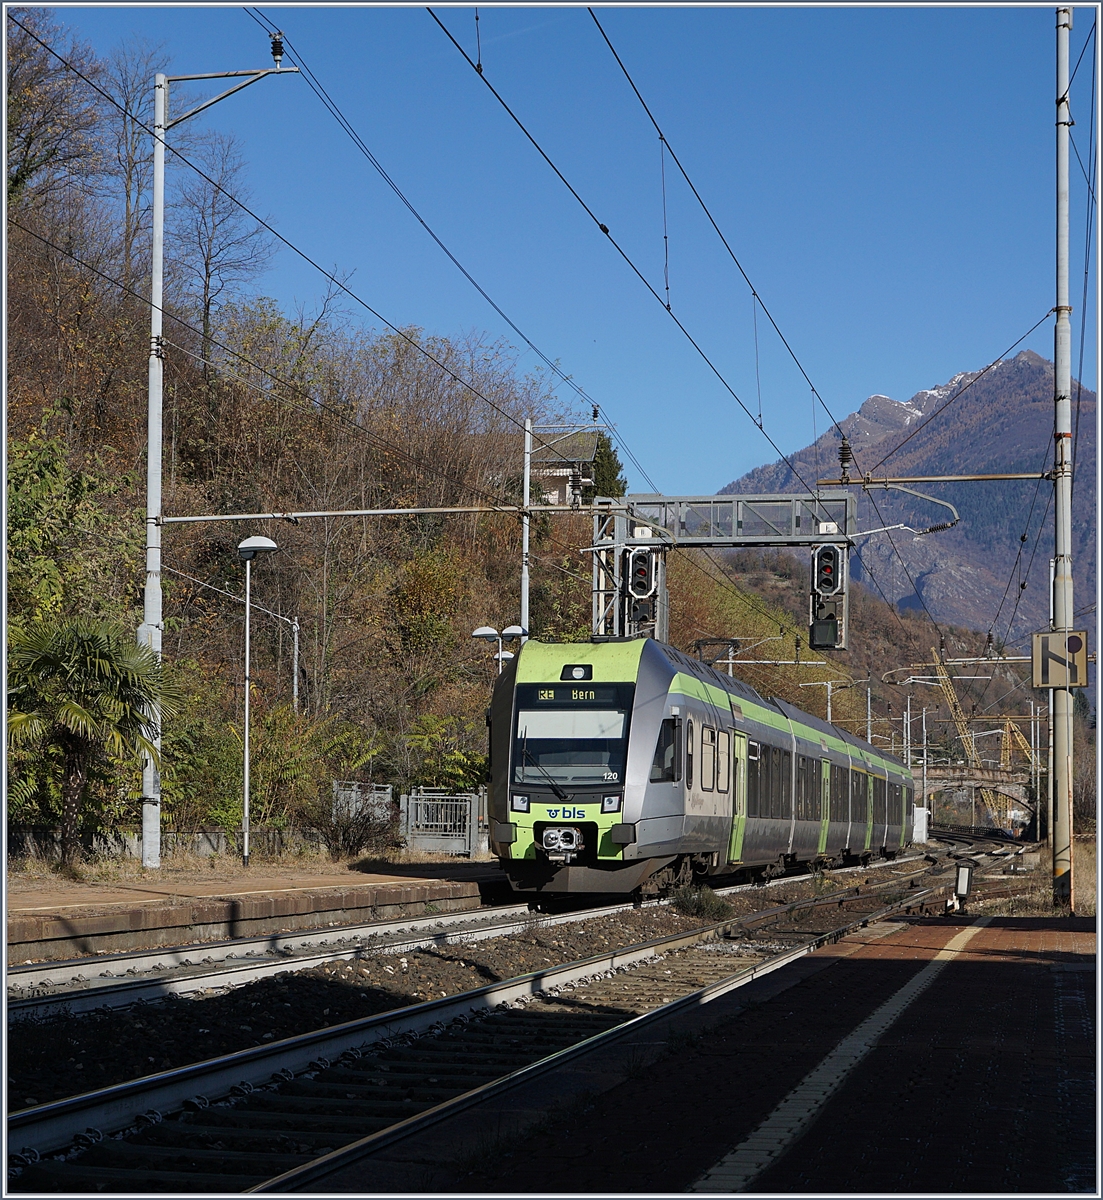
(579, 799)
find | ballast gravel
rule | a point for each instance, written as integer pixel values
(65, 1055)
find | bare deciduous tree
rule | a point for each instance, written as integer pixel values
(128, 78)
(52, 114)
(218, 248)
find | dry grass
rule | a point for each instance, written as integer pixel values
(1084, 876)
(1037, 898)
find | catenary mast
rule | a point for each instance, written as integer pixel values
(1061, 715)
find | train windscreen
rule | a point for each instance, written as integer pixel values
(571, 734)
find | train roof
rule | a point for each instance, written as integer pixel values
(626, 652)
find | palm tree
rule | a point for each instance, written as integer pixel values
(84, 687)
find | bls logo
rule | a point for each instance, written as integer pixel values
(566, 814)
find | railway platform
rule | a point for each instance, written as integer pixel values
(942, 1055)
(53, 923)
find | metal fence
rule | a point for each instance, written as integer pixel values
(435, 820)
(353, 799)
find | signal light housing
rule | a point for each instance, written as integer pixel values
(827, 570)
(827, 617)
(642, 576)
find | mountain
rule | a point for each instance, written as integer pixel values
(983, 422)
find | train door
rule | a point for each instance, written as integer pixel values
(895, 817)
(739, 795)
(879, 823)
(824, 769)
(859, 807)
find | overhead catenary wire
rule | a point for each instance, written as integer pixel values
(621, 251)
(329, 275)
(331, 106)
(1016, 565)
(335, 281)
(755, 297)
(313, 405)
(457, 378)
(729, 585)
(960, 392)
(712, 221)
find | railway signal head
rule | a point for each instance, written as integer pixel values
(641, 573)
(827, 574)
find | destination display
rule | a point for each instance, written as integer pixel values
(584, 694)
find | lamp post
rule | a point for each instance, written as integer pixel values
(511, 633)
(247, 551)
(152, 626)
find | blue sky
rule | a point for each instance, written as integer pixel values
(885, 175)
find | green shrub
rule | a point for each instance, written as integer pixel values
(700, 902)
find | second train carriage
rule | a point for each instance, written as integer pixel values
(625, 765)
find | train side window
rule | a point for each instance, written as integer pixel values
(723, 760)
(708, 758)
(667, 765)
(858, 797)
(838, 793)
(879, 814)
(787, 785)
(807, 806)
(754, 778)
(689, 755)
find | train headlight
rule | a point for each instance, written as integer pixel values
(560, 840)
(519, 803)
(610, 804)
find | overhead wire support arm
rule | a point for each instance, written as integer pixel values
(295, 517)
(868, 481)
(253, 76)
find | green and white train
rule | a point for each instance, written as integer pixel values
(623, 766)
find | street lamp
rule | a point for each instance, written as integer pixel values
(152, 626)
(511, 633)
(247, 551)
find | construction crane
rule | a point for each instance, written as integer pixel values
(1013, 736)
(990, 798)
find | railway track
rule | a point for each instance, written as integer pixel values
(975, 837)
(272, 1117)
(37, 991)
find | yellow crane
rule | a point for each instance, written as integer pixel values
(990, 799)
(1012, 737)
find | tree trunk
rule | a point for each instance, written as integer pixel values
(72, 793)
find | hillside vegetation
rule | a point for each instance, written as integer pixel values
(274, 411)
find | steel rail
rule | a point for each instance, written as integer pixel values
(50, 1127)
(126, 991)
(320, 1168)
(167, 957)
